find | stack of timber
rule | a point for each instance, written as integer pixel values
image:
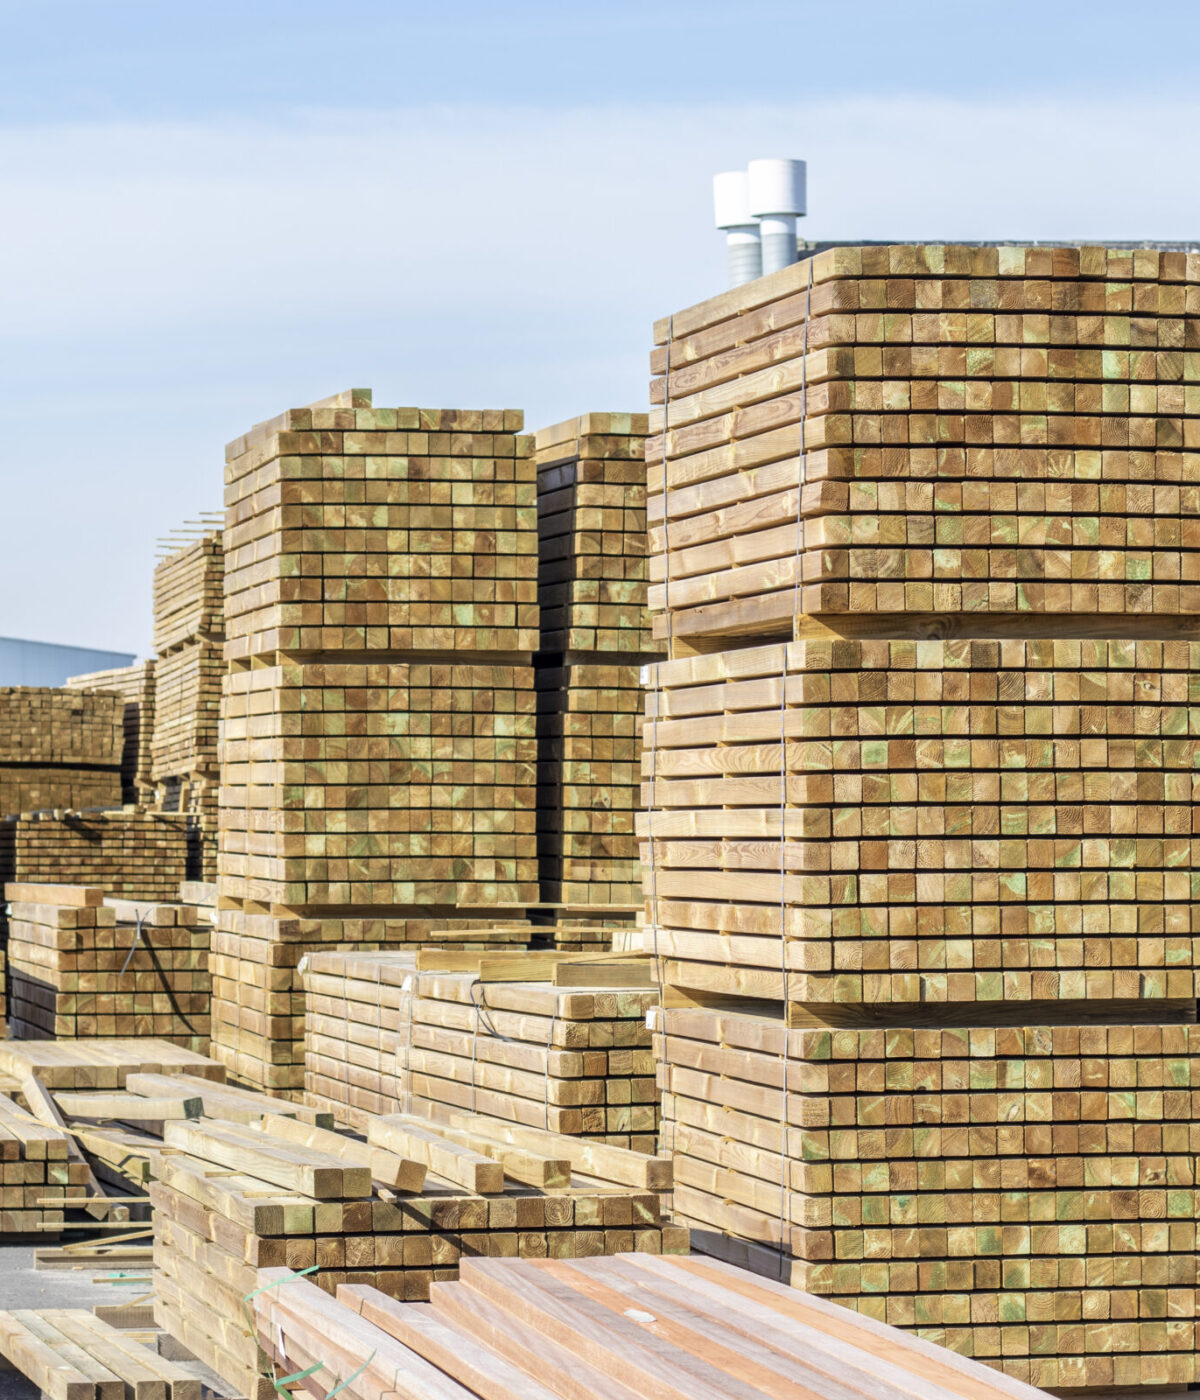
(129, 854)
(80, 969)
(59, 749)
(135, 685)
(994, 431)
(189, 632)
(39, 1175)
(397, 1212)
(620, 1329)
(571, 1053)
(917, 775)
(100, 1064)
(379, 745)
(595, 634)
(70, 1354)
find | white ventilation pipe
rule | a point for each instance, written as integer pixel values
(776, 199)
(731, 201)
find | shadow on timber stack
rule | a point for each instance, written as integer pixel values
(919, 793)
(378, 711)
(595, 635)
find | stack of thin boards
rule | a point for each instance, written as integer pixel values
(621, 1329)
(101, 1064)
(379, 728)
(595, 634)
(397, 1211)
(919, 766)
(59, 749)
(381, 1036)
(189, 638)
(80, 969)
(131, 854)
(70, 1354)
(135, 685)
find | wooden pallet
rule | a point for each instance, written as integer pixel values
(978, 438)
(381, 1036)
(79, 970)
(135, 685)
(622, 1328)
(59, 749)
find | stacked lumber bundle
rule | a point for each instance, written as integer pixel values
(954, 821)
(397, 1212)
(397, 784)
(992, 1187)
(258, 1004)
(70, 1354)
(620, 1328)
(131, 854)
(135, 685)
(79, 969)
(595, 633)
(59, 749)
(189, 595)
(37, 1176)
(953, 408)
(189, 637)
(379, 729)
(935, 505)
(424, 535)
(382, 1035)
(100, 1064)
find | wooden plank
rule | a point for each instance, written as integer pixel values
(413, 1138)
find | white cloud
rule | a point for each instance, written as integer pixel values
(166, 284)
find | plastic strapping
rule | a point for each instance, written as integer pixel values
(797, 608)
(478, 1005)
(546, 1073)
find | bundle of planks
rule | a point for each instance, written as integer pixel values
(37, 1176)
(189, 631)
(70, 1354)
(258, 1004)
(130, 854)
(79, 968)
(383, 785)
(420, 522)
(919, 768)
(59, 749)
(953, 822)
(135, 685)
(619, 1328)
(382, 1035)
(379, 727)
(100, 1064)
(397, 1211)
(595, 634)
(1001, 431)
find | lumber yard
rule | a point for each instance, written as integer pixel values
(689, 902)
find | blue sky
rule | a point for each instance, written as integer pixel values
(210, 211)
